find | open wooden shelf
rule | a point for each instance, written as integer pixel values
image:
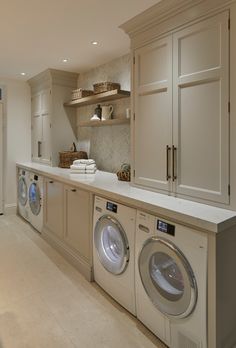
(97, 98)
(111, 122)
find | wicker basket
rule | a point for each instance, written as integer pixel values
(105, 87)
(123, 175)
(80, 93)
(67, 157)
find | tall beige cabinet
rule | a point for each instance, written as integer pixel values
(181, 100)
(53, 126)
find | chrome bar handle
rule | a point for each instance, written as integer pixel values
(167, 162)
(39, 148)
(174, 149)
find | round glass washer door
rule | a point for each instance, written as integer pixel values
(34, 198)
(111, 244)
(167, 278)
(22, 191)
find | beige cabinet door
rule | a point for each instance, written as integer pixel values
(46, 101)
(200, 109)
(37, 136)
(41, 126)
(36, 104)
(46, 138)
(77, 233)
(53, 211)
(152, 137)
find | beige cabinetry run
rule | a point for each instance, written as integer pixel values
(181, 98)
(53, 126)
(67, 222)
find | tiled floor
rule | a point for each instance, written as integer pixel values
(46, 303)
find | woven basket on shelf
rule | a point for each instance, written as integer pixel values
(105, 87)
(123, 175)
(80, 93)
(67, 157)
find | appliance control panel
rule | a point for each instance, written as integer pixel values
(111, 207)
(165, 227)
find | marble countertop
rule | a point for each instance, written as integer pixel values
(197, 215)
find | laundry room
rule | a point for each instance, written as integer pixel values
(118, 174)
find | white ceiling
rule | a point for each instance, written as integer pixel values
(38, 34)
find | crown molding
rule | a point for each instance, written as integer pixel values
(167, 10)
(51, 77)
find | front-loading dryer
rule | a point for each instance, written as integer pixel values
(22, 193)
(36, 201)
(171, 281)
(113, 250)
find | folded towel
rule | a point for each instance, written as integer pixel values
(83, 166)
(84, 161)
(74, 171)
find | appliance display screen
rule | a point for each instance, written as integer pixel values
(165, 227)
(111, 207)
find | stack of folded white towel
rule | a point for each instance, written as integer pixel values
(83, 166)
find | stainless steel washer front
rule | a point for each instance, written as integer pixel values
(167, 278)
(111, 244)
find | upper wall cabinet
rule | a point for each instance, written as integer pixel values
(181, 122)
(53, 126)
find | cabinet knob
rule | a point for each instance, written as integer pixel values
(50, 182)
(73, 190)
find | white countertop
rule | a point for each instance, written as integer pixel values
(189, 213)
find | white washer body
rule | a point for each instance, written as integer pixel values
(35, 199)
(190, 330)
(22, 193)
(112, 272)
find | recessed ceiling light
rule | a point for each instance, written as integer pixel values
(23, 73)
(65, 60)
(94, 43)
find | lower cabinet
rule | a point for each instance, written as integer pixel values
(77, 220)
(53, 212)
(68, 223)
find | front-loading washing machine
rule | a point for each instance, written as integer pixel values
(36, 201)
(171, 281)
(22, 193)
(113, 250)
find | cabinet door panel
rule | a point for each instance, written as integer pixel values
(36, 136)
(200, 109)
(46, 101)
(46, 139)
(36, 104)
(153, 113)
(77, 220)
(54, 207)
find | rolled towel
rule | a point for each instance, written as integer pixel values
(84, 161)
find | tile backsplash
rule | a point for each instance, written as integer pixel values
(108, 145)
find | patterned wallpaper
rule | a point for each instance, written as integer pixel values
(108, 145)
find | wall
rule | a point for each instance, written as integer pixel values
(108, 145)
(17, 128)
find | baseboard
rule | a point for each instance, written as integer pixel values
(10, 209)
(83, 267)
